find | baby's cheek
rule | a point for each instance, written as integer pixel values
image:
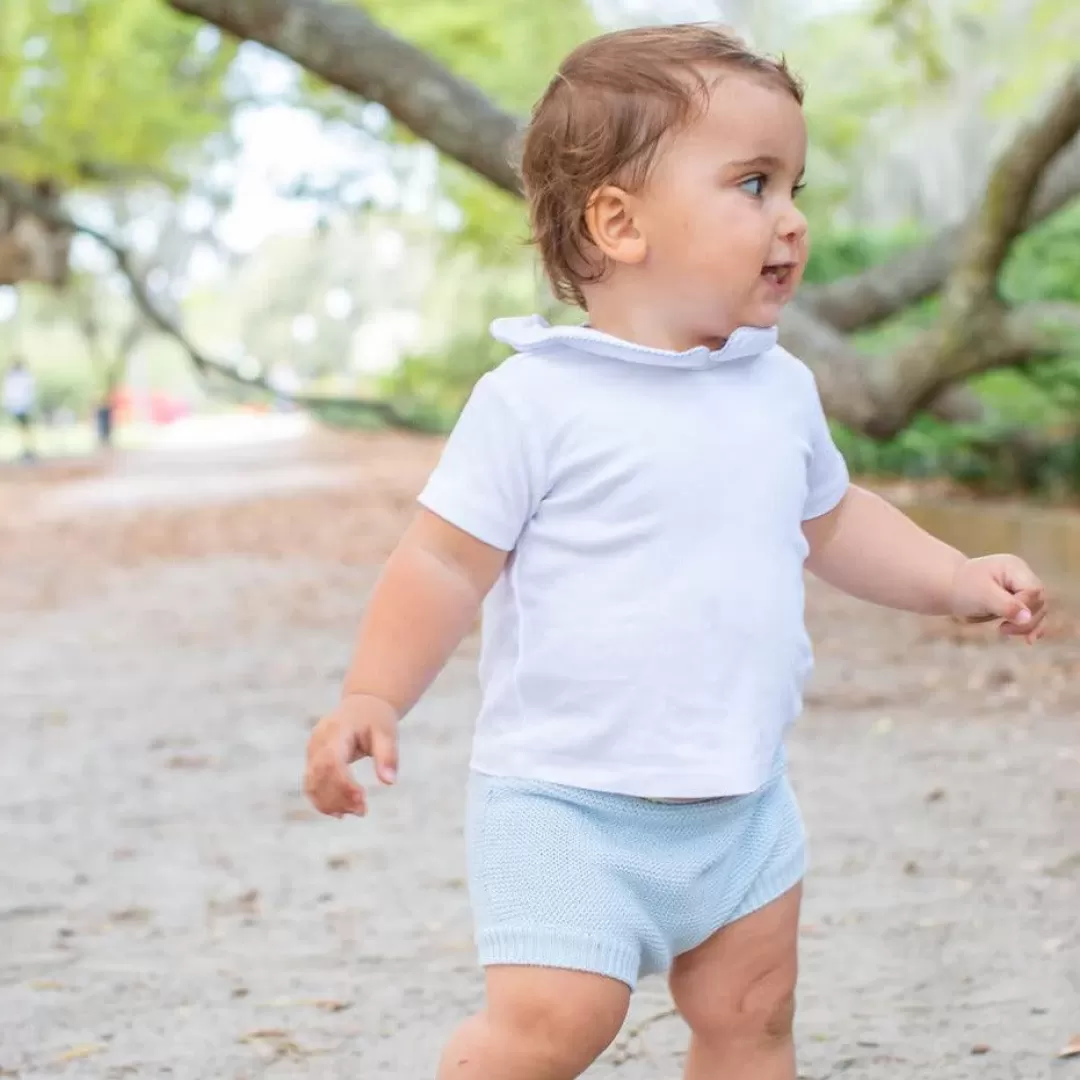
(687, 233)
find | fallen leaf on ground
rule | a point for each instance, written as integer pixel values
(245, 904)
(264, 1033)
(327, 1004)
(189, 761)
(331, 1005)
(281, 1043)
(1072, 1050)
(133, 914)
(979, 1049)
(1068, 867)
(84, 1051)
(46, 984)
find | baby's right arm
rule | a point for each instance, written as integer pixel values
(424, 604)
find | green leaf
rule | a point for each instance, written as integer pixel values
(131, 86)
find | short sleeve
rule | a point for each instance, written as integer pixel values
(486, 481)
(828, 477)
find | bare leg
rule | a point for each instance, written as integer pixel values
(737, 993)
(26, 429)
(539, 1024)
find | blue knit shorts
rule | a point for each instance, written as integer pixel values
(615, 884)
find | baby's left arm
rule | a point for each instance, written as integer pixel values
(868, 548)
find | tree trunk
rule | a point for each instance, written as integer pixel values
(33, 248)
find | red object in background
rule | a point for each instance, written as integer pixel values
(154, 408)
(164, 409)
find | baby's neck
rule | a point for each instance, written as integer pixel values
(642, 325)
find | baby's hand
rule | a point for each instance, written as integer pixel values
(359, 727)
(1000, 587)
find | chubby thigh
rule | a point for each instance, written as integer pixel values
(615, 885)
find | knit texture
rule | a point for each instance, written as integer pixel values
(618, 885)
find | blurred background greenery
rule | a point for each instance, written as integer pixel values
(292, 235)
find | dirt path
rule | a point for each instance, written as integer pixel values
(169, 907)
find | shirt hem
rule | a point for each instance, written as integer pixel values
(674, 786)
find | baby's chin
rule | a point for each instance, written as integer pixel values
(715, 332)
(763, 315)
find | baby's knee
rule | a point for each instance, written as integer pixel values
(566, 1019)
(761, 1011)
(773, 1016)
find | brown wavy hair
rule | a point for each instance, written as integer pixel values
(601, 120)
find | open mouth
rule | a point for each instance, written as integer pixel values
(778, 273)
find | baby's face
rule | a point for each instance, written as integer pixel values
(726, 245)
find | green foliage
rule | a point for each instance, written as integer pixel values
(468, 295)
(1031, 47)
(885, 68)
(123, 85)
(486, 267)
(1045, 262)
(854, 78)
(917, 36)
(486, 41)
(993, 458)
(1025, 44)
(1043, 265)
(839, 253)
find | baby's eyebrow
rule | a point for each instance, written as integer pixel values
(763, 161)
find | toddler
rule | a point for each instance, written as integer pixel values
(633, 502)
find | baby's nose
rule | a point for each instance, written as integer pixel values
(792, 225)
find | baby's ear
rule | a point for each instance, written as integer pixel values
(613, 227)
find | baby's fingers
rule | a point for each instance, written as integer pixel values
(331, 788)
(1030, 631)
(1033, 629)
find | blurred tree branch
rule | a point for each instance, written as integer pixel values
(1006, 203)
(868, 298)
(346, 47)
(20, 195)
(875, 395)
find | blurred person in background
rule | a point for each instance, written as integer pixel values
(19, 397)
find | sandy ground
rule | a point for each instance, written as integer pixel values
(170, 907)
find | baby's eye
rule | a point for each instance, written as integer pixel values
(797, 188)
(754, 185)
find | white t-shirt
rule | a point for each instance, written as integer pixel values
(647, 634)
(18, 392)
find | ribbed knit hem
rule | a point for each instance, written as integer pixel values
(555, 947)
